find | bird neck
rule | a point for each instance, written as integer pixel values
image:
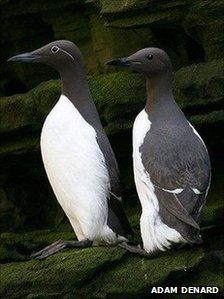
(75, 87)
(159, 91)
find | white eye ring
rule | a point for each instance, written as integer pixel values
(54, 49)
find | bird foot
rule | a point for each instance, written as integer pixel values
(58, 246)
(135, 249)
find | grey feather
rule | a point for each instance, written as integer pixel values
(117, 219)
(175, 158)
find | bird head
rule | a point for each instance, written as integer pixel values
(148, 61)
(58, 54)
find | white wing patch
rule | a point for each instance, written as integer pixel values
(196, 191)
(175, 191)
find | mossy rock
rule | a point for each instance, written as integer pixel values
(25, 113)
(28, 110)
(156, 16)
(204, 21)
(108, 271)
(59, 274)
(125, 7)
(40, 23)
(81, 270)
(196, 85)
(190, 26)
(200, 84)
(208, 119)
(110, 42)
(18, 246)
(100, 272)
(137, 275)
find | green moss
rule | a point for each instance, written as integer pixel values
(40, 23)
(197, 85)
(108, 271)
(132, 14)
(200, 84)
(141, 24)
(125, 6)
(205, 23)
(136, 275)
(16, 247)
(112, 94)
(28, 110)
(144, 19)
(117, 92)
(110, 42)
(58, 274)
(72, 25)
(117, 6)
(208, 272)
(23, 204)
(98, 271)
(213, 212)
(103, 271)
(20, 144)
(208, 119)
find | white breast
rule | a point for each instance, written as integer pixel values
(155, 234)
(76, 169)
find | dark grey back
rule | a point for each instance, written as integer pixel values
(176, 158)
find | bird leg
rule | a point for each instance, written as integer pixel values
(60, 245)
(135, 249)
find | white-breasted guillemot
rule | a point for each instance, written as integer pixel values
(171, 163)
(77, 155)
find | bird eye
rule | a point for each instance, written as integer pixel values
(54, 49)
(150, 57)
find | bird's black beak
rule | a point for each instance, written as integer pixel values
(119, 62)
(25, 57)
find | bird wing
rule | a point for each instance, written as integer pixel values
(117, 219)
(179, 169)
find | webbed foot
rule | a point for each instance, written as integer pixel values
(135, 249)
(58, 246)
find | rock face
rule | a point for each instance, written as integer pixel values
(103, 272)
(192, 34)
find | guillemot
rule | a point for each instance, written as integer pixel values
(171, 163)
(77, 155)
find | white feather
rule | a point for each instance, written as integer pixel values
(155, 234)
(175, 191)
(196, 191)
(196, 133)
(76, 170)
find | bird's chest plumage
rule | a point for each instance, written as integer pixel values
(140, 129)
(72, 158)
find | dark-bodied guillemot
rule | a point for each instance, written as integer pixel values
(77, 155)
(171, 162)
